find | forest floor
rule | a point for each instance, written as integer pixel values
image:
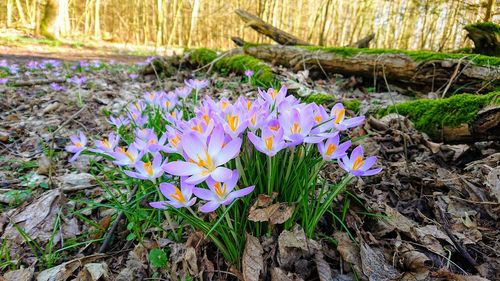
(431, 214)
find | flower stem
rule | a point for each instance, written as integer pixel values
(269, 175)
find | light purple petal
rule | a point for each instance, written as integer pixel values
(368, 163)
(209, 207)
(204, 194)
(193, 146)
(196, 179)
(221, 174)
(181, 168)
(241, 192)
(158, 205)
(229, 151)
(216, 140)
(372, 172)
(167, 189)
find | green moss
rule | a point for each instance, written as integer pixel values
(429, 115)
(319, 98)
(485, 26)
(415, 55)
(263, 74)
(353, 105)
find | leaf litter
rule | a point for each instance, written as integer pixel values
(431, 214)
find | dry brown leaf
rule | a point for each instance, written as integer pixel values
(65, 270)
(23, 274)
(444, 273)
(292, 245)
(279, 274)
(349, 252)
(417, 262)
(493, 182)
(275, 214)
(375, 266)
(136, 264)
(324, 269)
(252, 260)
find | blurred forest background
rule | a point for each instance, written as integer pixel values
(404, 24)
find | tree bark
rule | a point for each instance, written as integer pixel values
(49, 23)
(399, 69)
(268, 30)
(486, 40)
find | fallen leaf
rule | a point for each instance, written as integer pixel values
(275, 214)
(136, 265)
(444, 273)
(279, 274)
(65, 270)
(374, 265)
(493, 182)
(94, 272)
(252, 260)
(292, 245)
(76, 179)
(324, 269)
(23, 274)
(349, 252)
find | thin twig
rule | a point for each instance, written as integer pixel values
(113, 228)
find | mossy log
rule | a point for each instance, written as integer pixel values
(461, 118)
(232, 61)
(486, 37)
(410, 71)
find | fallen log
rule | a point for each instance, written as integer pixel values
(417, 72)
(364, 42)
(278, 35)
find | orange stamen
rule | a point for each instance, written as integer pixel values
(331, 148)
(178, 195)
(149, 168)
(233, 121)
(219, 190)
(339, 115)
(318, 118)
(358, 163)
(296, 128)
(269, 142)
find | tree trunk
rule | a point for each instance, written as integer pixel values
(9, 13)
(486, 37)
(49, 23)
(97, 22)
(489, 10)
(194, 18)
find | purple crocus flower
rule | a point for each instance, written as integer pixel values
(78, 144)
(331, 149)
(270, 143)
(296, 124)
(220, 193)
(56, 87)
(151, 143)
(133, 76)
(149, 170)
(183, 92)
(273, 97)
(107, 145)
(248, 73)
(4, 63)
(137, 117)
(177, 198)
(338, 116)
(31, 65)
(128, 157)
(357, 165)
(205, 160)
(4, 81)
(196, 84)
(14, 69)
(78, 81)
(119, 121)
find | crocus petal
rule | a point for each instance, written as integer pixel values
(181, 168)
(204, 194)
(372, 172)
(354, 122)
(167, 189)
(193, 146)
(221, 174)
(72, 159)
(158, 205)
(358, 151)
(368, 163)
(241, 192)
(209, 207)
(196, 179)
(229, 151)
(216, 140)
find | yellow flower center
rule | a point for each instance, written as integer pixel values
(105, 143)
(233, 121)
(175, 141)
(205, 118)
(219, 190)
(167, 103)
(269, 143)
(223, 104)
(295, 128)
(78, 144)
(331, 148)
(178, 195)
(206, 163)
(358, 163)
(339, 113)
(149, 168)
(318, 118)
(273, 93)
(249, 104)
(152, 141)
(274, 127)
(123, 151)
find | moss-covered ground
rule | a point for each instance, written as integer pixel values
(429, 115)
(239, 63)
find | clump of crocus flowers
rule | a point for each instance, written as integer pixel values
(219, 155)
